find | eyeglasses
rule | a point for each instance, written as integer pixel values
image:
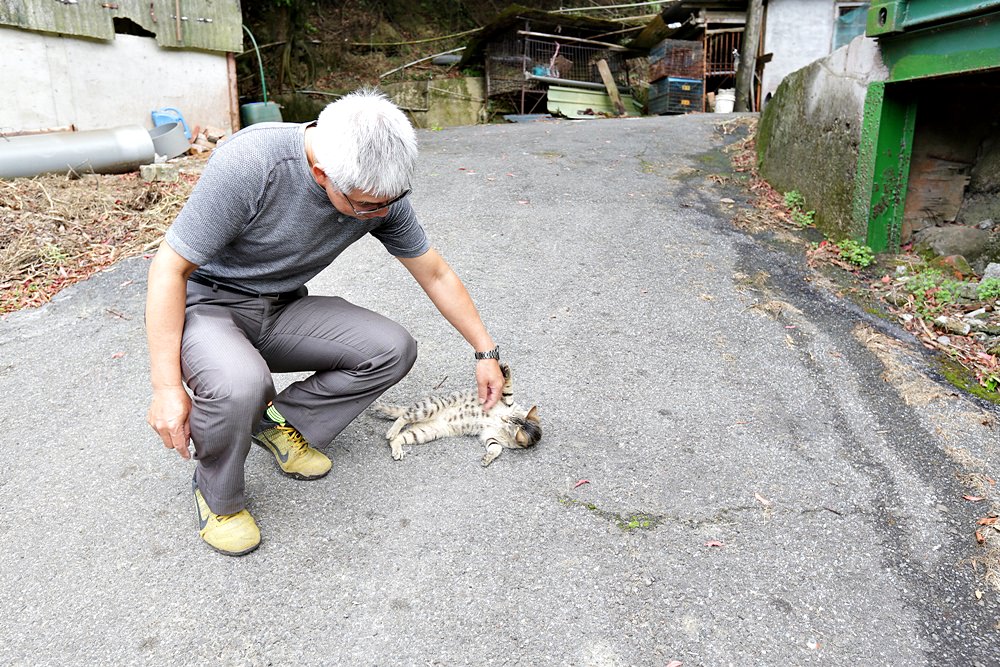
(371, 207)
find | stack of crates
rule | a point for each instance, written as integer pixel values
(676, 75)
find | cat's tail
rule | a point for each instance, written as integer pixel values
(387, 411)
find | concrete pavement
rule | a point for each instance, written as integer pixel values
(708, 392)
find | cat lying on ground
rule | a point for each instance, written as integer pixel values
(505, 425)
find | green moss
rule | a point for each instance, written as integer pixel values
(959, 376)
(648, 167)
(688, 174)
(630, 522)
(840, 197)
(715, 161)
(637, 522)
(772, 114)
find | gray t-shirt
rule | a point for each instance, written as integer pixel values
(257, 220)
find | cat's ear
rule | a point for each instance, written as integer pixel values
(532, 413)
(505, 369)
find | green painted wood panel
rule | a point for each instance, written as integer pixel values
(884, 164)
(211, 25)
(893, 16)
(972, 45)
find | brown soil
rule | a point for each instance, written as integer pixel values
(56, 231)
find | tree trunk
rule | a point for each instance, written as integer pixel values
(748, 56)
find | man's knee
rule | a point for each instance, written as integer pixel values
(407, 356)
(246, 385)
(401, 354)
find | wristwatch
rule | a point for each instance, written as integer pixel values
(492, 354)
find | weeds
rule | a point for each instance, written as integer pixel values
(855, 253)
(55, 231)
(796, 203)
(804, 218)
(932, 291)
(794, 200)
(988, 289)
(848, 254)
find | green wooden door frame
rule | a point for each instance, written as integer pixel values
(884, 165)
(919, 40)
(968, 46)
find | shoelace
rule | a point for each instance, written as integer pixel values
(295, 438)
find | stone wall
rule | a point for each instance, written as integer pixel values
(809, 133)
(441, 102)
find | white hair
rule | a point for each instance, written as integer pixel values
(364, 142)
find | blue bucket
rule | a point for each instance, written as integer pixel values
(170, 115)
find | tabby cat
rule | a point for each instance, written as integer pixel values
(505, 425)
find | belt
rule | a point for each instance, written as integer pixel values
(279, 296)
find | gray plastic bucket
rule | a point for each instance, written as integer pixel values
(169, 140)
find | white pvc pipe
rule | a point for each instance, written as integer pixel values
(112, 151)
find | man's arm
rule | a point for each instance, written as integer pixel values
(451, 298)
(165, 298)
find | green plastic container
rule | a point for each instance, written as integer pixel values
(259, 112)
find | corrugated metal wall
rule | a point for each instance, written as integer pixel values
(211, 25)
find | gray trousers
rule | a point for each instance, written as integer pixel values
(233, 343)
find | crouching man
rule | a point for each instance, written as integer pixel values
(227, 304)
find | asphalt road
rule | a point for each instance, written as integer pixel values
(709, 393)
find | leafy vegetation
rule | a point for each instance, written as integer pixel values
(794, 200)
(855, 253)
(932, 291)
(989, 289)
(796, 203)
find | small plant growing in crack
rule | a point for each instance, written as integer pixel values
(627, 523)
(637, 522)
(796, 203)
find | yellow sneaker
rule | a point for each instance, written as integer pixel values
(292, 453)
(229, 534)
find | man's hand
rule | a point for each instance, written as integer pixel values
(168, 415)
(489, 380)
(170, 407)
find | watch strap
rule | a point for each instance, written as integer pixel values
(492, 354)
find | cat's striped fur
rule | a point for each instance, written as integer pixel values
(505, 425)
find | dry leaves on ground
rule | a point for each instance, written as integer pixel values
(55, 231)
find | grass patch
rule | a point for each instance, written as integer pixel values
(626, 522)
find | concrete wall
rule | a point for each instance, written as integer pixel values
(797, 33)
(53, 81)
(808, 136)
(441, 102)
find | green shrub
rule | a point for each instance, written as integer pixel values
(856, 253)
(796, 203)
(988, 289)
(932, 291)
(803, 218)
(794, 200)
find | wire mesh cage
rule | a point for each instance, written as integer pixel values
(677, 58)
(517, 64)
(506, 63)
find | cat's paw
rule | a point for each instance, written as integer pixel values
(397, 451)
(492, 452)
